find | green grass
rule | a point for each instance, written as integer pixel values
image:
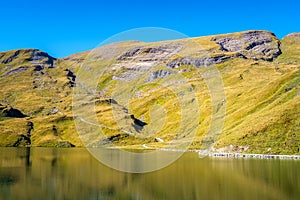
(262, 109)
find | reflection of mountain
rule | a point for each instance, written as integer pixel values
(137, 124)
(259, 91)
(74, 174)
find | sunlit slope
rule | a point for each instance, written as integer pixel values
(32, 82)
(233, 92)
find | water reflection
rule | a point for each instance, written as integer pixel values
(50, 173)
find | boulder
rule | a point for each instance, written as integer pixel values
(12, 112)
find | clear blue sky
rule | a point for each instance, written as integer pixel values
(63, 27)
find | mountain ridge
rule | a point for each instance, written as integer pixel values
(259, 71)
(223, 34)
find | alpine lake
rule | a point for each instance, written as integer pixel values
(73, 173)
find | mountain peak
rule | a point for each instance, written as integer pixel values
(31, 55)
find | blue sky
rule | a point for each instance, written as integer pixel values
(65, 27)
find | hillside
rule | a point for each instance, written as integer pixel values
(234, 92)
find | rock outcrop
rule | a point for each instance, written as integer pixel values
(159, 53)
(251, 44)
(33, 56)
(202, 61)
(159, 74)
(17, 70)
(139, 60)
(5, 59)
(38, 57)
(71, 77)
(11, 112)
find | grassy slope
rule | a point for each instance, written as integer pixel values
(44, 97)
(262, 109)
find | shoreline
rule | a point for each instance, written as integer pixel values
(204, 153)
(201, 153)
(245, 155)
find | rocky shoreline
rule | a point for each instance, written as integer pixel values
(243, 155)
(204, 153)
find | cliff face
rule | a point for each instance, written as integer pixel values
(252, 44)
(171, 92)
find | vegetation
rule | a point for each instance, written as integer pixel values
(181, 105)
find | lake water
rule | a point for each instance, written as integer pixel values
(51, 173)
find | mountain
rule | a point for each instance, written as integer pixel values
(235, 92)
